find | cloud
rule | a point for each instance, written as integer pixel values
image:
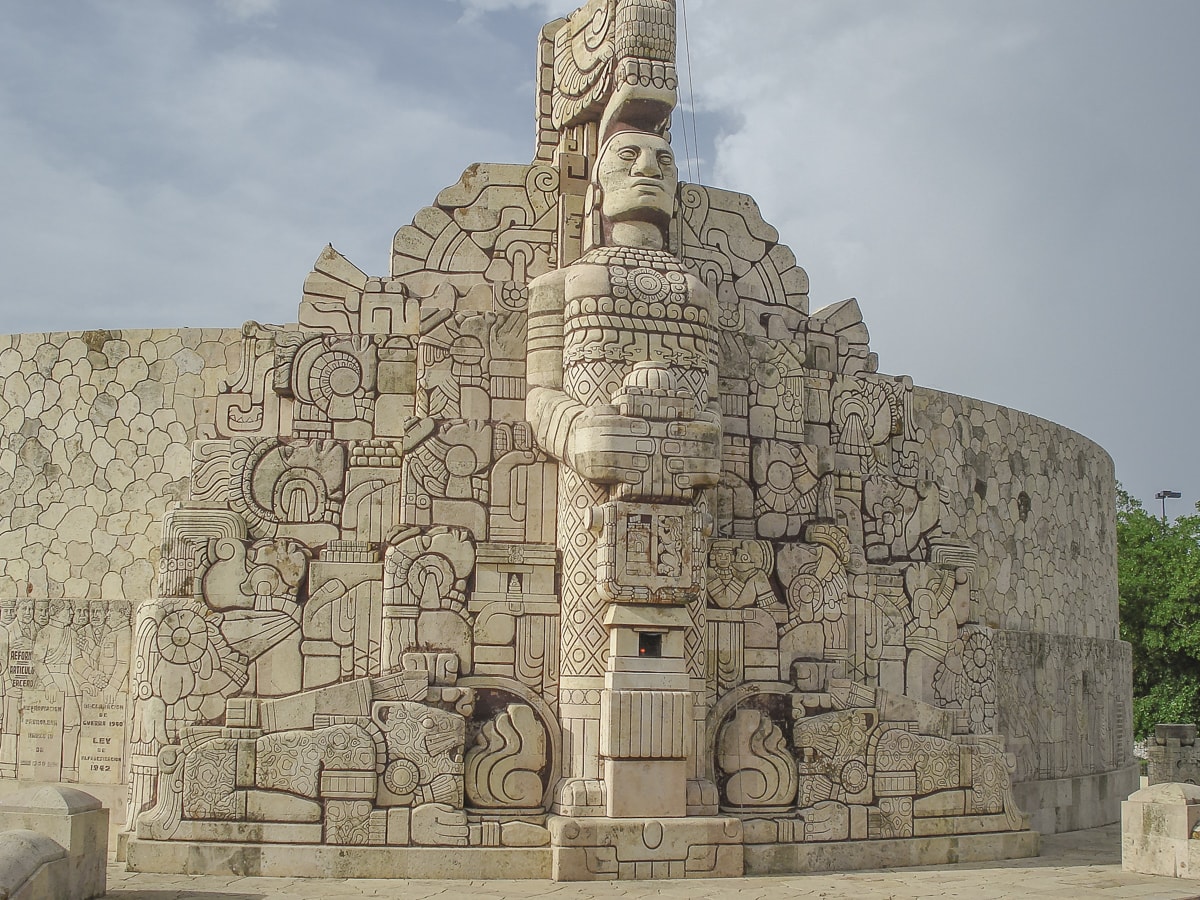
(1007, 188)
(186, 177)
(473, 9)
(250, 9)
(1003, 187)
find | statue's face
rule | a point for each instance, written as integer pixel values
(41, 612)
(638, 178)
(96, 611)
(24, 611)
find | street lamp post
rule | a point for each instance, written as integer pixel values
(1164, 496)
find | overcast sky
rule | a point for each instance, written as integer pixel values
(1010, 188)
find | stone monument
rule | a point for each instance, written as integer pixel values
(578, 544)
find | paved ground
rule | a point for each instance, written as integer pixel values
(1081, 866)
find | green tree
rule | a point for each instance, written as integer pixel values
(1158, 566)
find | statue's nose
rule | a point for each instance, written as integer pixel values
(647, 165)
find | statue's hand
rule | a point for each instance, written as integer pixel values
(607, 448)
(439, 825)
(693, 451)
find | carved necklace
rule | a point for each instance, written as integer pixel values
(651, 276)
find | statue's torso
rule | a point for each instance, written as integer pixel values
(624, 306)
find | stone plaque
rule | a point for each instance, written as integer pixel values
(102, 738)
(55, 656)
(41, 735)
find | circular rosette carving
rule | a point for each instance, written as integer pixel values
(186, 656)
(336, 375)
(428, 570)
(854, 776)
(402, 777)
(966, 678)
(182, 637)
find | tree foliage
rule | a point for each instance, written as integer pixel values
(1158, 564)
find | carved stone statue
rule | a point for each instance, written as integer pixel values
(577, 530)
(622, 391)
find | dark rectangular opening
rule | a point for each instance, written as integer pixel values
(650, 644)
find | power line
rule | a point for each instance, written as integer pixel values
(687, 149)
(687, 46)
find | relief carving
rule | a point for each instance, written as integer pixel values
(503, 769)
(759, 768)
(577, 528)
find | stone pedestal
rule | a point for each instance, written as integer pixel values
(646, 787)
(1156, 830)
(1172, 753)
(76, 822)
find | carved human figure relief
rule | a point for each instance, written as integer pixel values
(739, 575)
(622, 392)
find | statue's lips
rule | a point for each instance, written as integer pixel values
(648, 183)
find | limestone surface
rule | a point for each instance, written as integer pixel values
(576, 543)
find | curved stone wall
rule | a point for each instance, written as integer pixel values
(96, 429)
(1040, 501)
(95, 442)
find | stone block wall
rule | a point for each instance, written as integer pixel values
(1041, 502)
(1040, 498)
(95, 442)
(96, 429)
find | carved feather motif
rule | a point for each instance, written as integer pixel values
(583, 62)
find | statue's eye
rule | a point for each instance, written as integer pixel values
(629, 153)
(666, 159)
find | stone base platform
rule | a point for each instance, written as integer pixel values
(600, 849)
(846, 856)
(1075, 804)
(1157, 827)
(326, 861)
(583, 850)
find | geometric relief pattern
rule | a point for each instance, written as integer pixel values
(584, 638)
(579, 511)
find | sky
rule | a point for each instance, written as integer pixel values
(1009, 188)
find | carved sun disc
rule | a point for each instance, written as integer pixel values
(344, 381)
(779, 476)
